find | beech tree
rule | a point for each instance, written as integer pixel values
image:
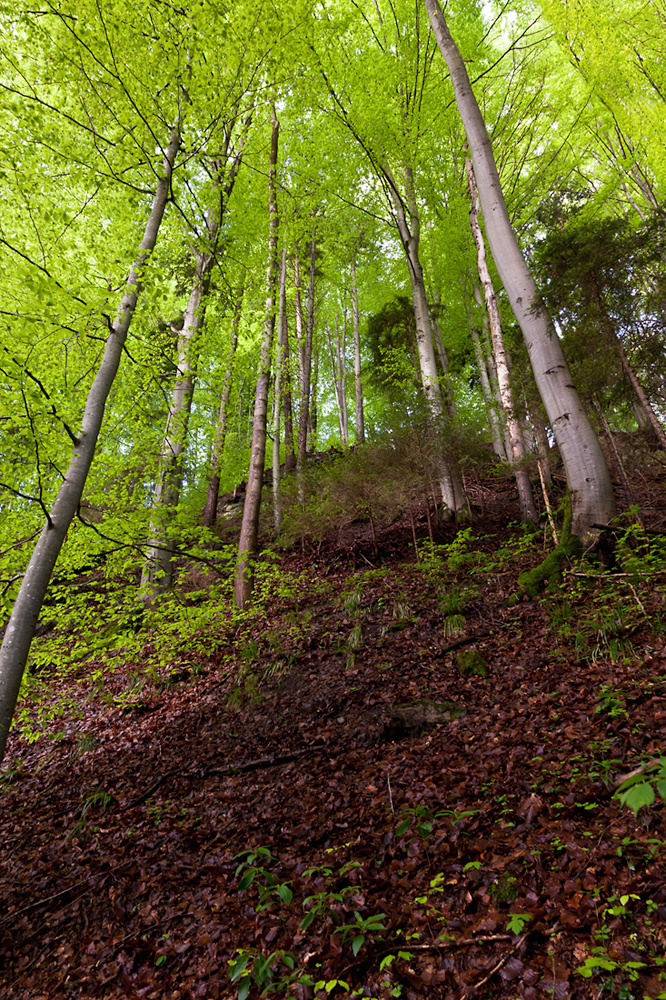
(587, 474)
(247, 545)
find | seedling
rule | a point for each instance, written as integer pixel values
(362, 928)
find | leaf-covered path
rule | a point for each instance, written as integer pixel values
(485, 851)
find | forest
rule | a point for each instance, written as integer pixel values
(333, 499)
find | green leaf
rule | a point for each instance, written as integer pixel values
(403, 827)
(247, 880)
(517, 921)
(244, 989)
(357, 943)
(638, 796)
(238, 966)
(285, 894)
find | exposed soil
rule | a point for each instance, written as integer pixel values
(489, 842)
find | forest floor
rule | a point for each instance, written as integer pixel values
(265, 801)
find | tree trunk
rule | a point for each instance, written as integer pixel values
(495, 430)
(358, 385)
(210, 510)
(298, 307)
(304, 414)
(449, 479)
(338, 376)
(283, 329)
(586, 470)
(157, 574)
(277, 399)
(525, 496)
(611, 335)
(247, 546)
(21, 626)
(312, 417)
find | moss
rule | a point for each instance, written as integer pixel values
(533, 581)
(470, 663)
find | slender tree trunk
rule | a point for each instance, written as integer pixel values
(298, 305)
(289, 456)
(449, 479)
(493, 421)
(338, 376)
(586, 470)
(358, 385)
(157, 575)
(312, 418)
(277, 400)
(488, 377)
(210, 510)
(342, 373)
(21, 626)
(611, 335)
(247, 546)
(304, 413)
(525, 496)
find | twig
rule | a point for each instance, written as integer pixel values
(505, 958)
(465, 641)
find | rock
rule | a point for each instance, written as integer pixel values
(470, 663)
(417, 717)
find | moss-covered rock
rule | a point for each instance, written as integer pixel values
(416, 717)
(470, 663)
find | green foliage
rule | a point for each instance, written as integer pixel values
(361, 928)
(266, 971)
(641, 789)
(262, 878)
(517, 922)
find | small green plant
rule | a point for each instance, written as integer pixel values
(361, 928)
(321, 904)
(517, 922)
(611, 702)
(268, 884)
(423, 819)
(331, 984)
(276, 972)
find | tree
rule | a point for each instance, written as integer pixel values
(514, 434)
(157, 572)
(587, 474)
(247, 545)
(21, 626)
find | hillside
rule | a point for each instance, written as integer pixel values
(390, 779)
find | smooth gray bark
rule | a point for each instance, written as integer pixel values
(304, 413)
(21, 626)
(517, 453)
(495, 429)
(339, 374)
(247, 546)
(586, 470)
(409, 230)
(358, 384)
(283, 332)
(277, 398)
